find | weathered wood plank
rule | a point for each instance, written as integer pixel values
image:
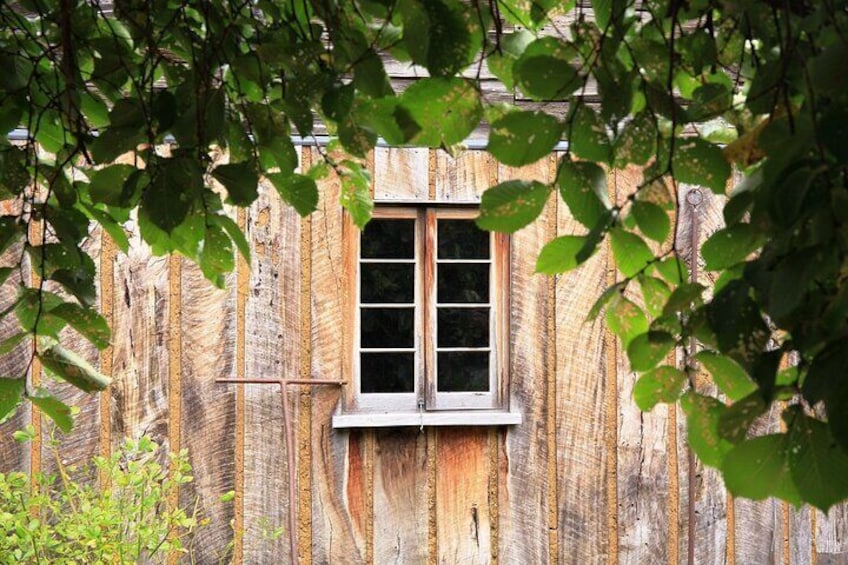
(710, 505)
(340, 469)
(401, 173)
(462, 497)
(400, 496)
(465, 177)
(524, 490)
(271, 352)
(583, 500)
(801, 548)
(14, 456)
(140, 337)
(642, 472)
(207, 409)
(832, 536)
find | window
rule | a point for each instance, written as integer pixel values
(430, 321)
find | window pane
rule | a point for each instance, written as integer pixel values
(463, 371)
(462, 239)
(387, 372)
(389, 239)
(463, 282)
(386, 327)
(463, 327)
(387, 282)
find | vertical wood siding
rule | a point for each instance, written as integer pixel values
(586, 478)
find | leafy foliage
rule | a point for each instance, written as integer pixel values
(63, 518)
(128, 113)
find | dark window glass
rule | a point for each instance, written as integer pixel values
(387, 372)
(463, 327)
(389, 239)
(389, 283)
(462, 239)
(463, 282)
(386, 327)
(463, 371)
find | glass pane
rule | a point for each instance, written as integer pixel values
(387, 282)
(462, 239)
(463, 282)
(389, 239)
(463, 327)
(463, 371)
(387, 372)
(386, 327)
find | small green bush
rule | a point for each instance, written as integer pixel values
(61, 519)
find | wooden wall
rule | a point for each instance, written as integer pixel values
(586, 478)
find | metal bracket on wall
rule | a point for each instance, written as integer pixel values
(289, 439)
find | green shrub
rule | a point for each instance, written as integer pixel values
(62, 519)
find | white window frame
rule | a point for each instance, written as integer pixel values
(426, 405)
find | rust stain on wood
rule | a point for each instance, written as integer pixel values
(432, 519)
(368, 516)
(673, 544)
(551, 370)
(242, 289)
(107, 299)
(304, 422)
(494, 508)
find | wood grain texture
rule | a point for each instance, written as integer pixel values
(642, 475)
(400, 496)
(832, 536)
(140, 352)
(583, 500)
(14, 456)
(271, 351)
(339, 466)
(76, 448)
(400, 173)
(462, 494)
(524, 490)
(207, 409)
(710, 497)
(463, 178)
(800, 539)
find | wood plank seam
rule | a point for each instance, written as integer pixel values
(174, 370)
(611, 364)
(243, 287)
(107, 298)
(550, 367)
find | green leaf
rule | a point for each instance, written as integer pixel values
(86, 321)
(710, 100)
(645, 351)
(521, 138)
(738, 325)
(115, 230)
(631, 253)
(588, 137)
(737, 419)
(730, 378)
(446, 110)
(11, 392)
(9, 343)
(702, 418)
(663, 384)
(652, 220)
(356, 140)
(545, 77)
(685, 297)
(729, 246)
(701, 163)
(819, 466)
(637, 141)
(758, 468)
(235, 233)
(502, 61)
(512, 205)
(356, 194)
(34, 308)
(560, 255)
(10, 232)
(626, 319)
(299, 191)
(604, 299)
(673, 270)
(825, 382)
(176, 184)
(4, 274)
(216, 254)
(54, 409)
(70, 367)
(107, 185)
(583, 187)
(655, 293)
(240, 181)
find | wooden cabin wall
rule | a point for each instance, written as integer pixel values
(586, 478)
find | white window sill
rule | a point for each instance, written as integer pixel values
(444, 418)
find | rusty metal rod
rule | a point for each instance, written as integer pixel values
(289, 442)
